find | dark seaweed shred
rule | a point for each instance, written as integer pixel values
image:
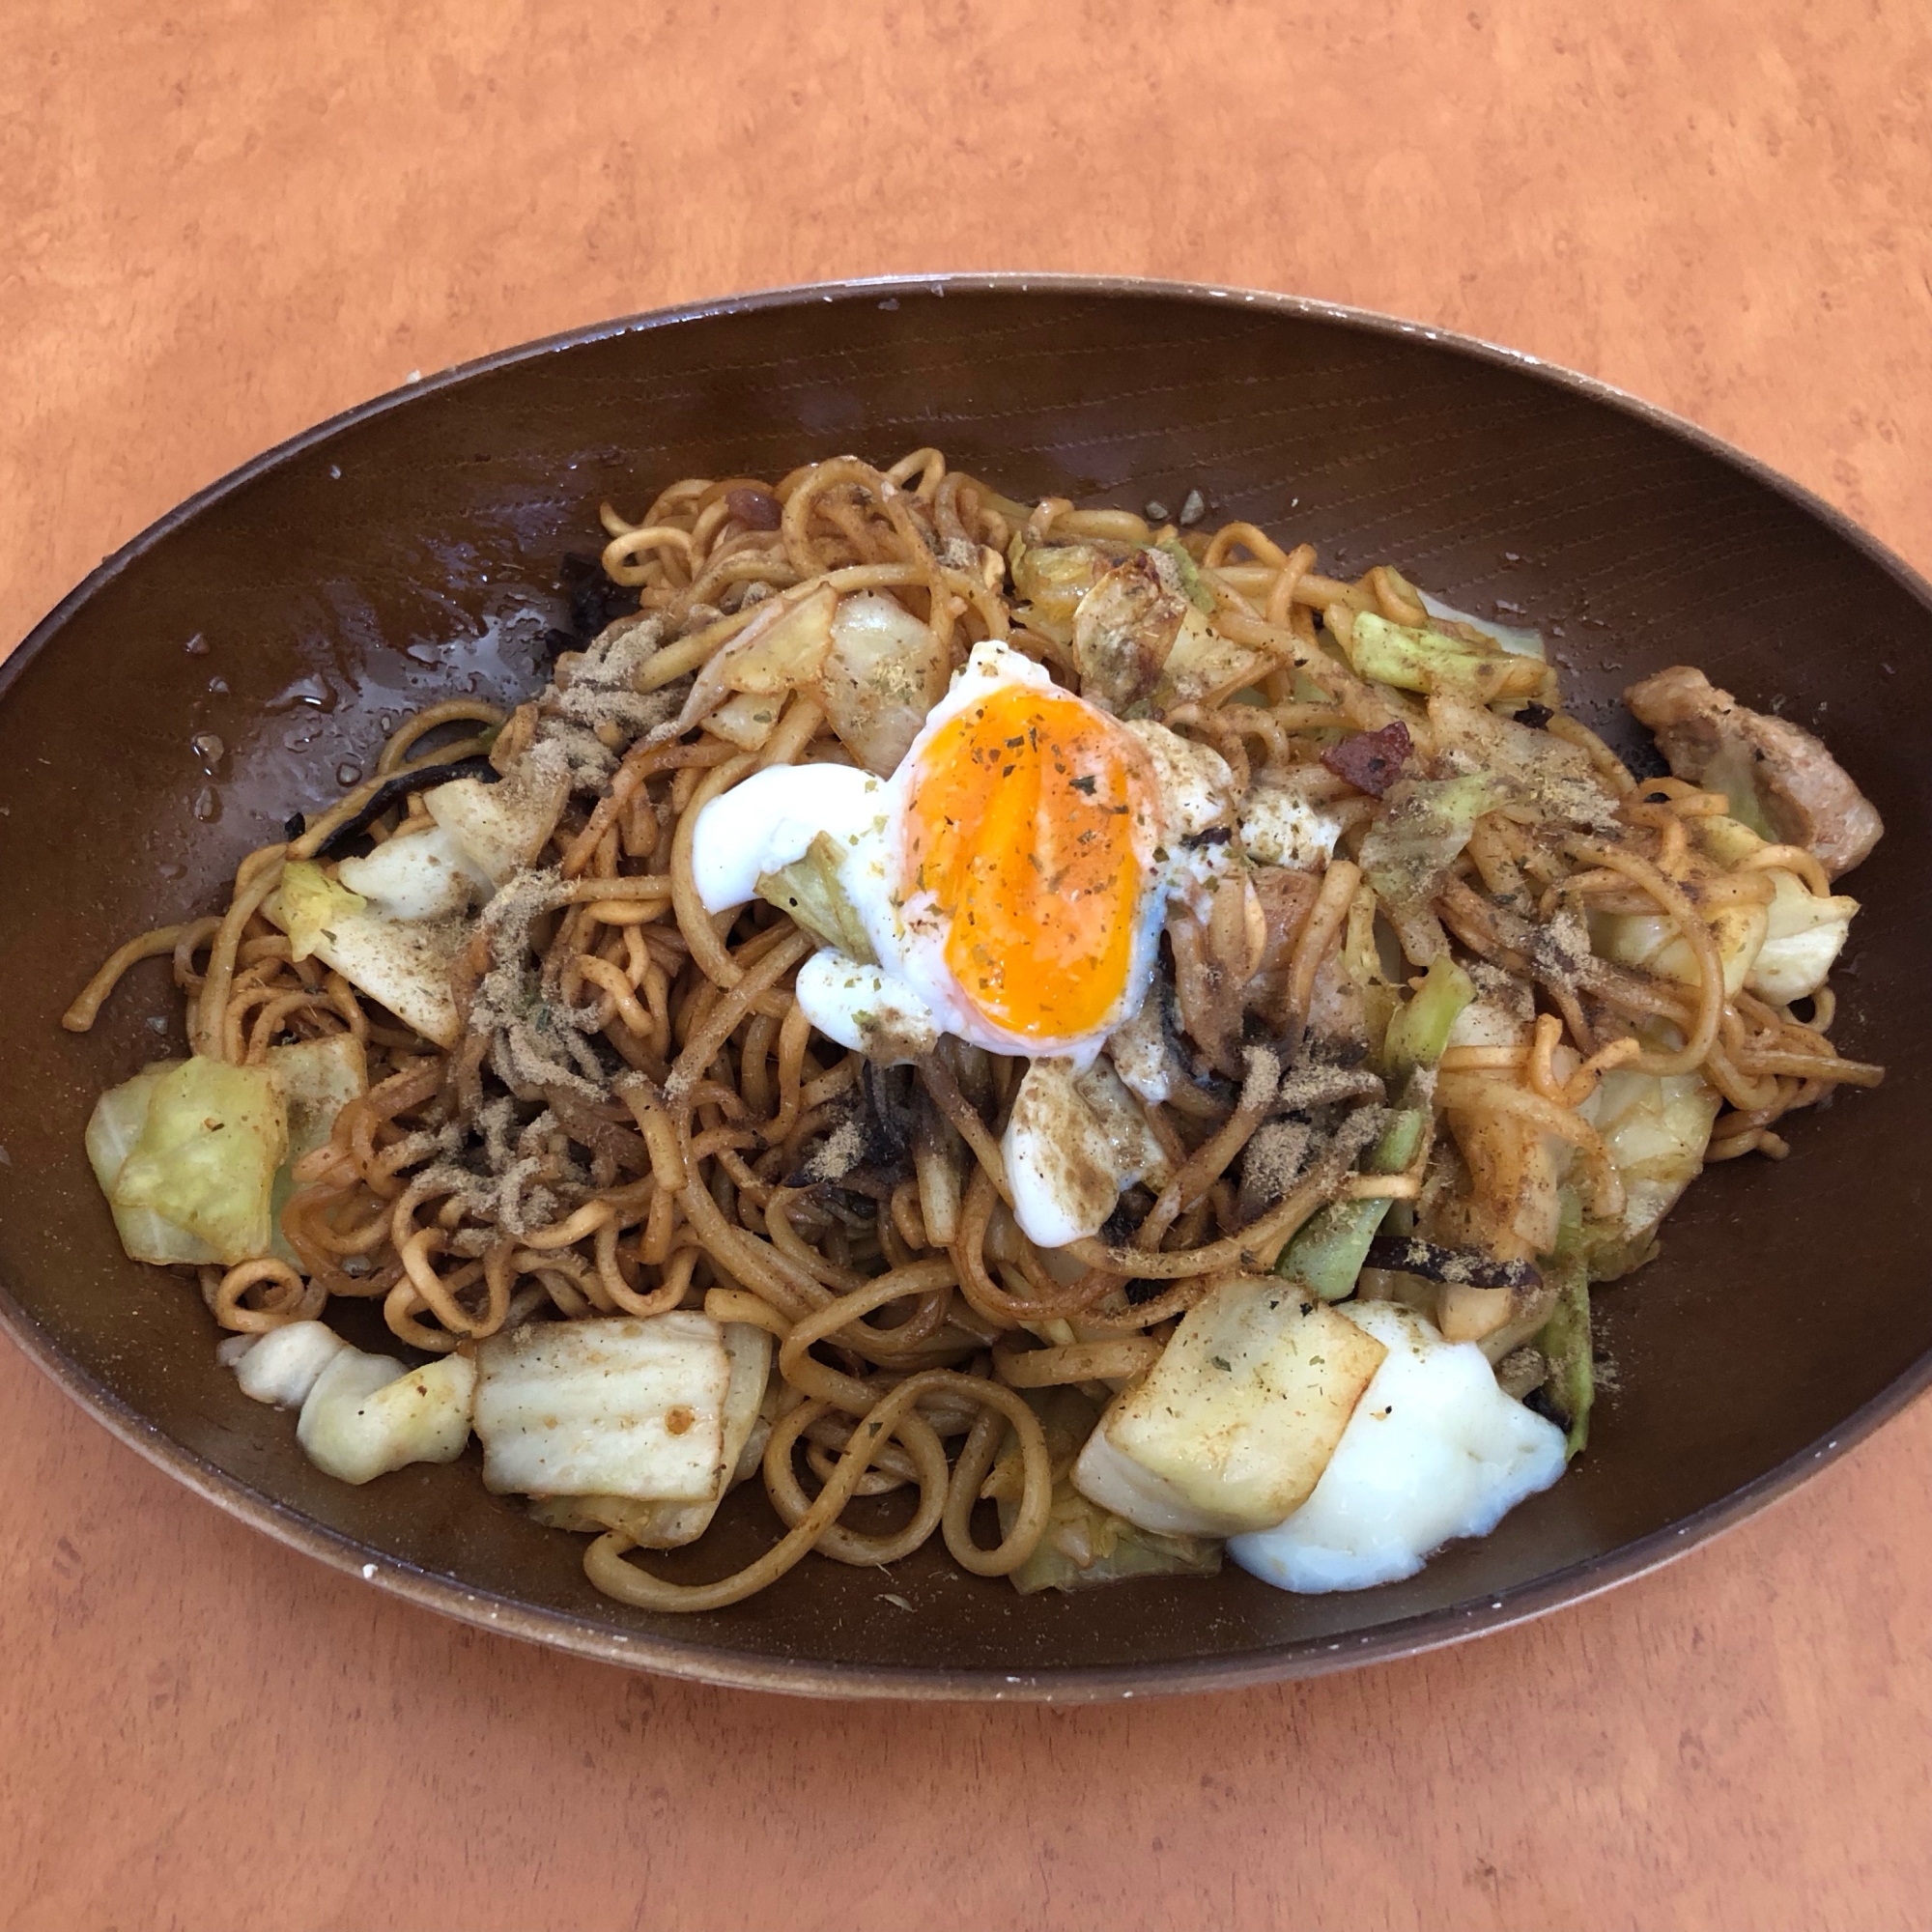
(1468, 1267)
(595, 602)
(868, 1145)
(1644, 760)
(351, 841)
(890, 1114)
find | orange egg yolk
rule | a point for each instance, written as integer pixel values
(1021, 822)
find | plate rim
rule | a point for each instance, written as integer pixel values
(710, 1663)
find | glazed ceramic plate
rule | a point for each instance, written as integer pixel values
(410, 549)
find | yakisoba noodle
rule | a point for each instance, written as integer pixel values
(634, 1114)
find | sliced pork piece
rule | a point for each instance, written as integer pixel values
(1780, 779)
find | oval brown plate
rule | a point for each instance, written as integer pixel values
(411, 547)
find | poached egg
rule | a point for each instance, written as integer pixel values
(1009, 877)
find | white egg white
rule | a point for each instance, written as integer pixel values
(769, 820)
(1280, 827)
(1073, 1143)
(866, 1007)
(1434, 1451)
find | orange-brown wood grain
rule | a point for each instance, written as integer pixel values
(222, 222)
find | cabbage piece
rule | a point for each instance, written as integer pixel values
(1327, 1254)
(1232, 1428)
(768, 660)
(1503, 1015)
(1510, 1194)
(1203, 666)
(367, 1414)
(748, 1412)
(782, 649)
(617, 1406)
(1727, 841)
(1188, 573)
(1124, 628)
(206, 1155)
(668, 1525)
(1564, 1342)
(1355, 995)
(283, 1366)
(423, 875)
(1051, 579)
(1421, 832)
(503, 827)
(1142, 638)
(1111, 1478)
(1084, 1545)
(308, 903)
(812, 891)
(1419, 1031)
(884, 672)
(319, 1078)
(1804, 935)
(1429, 661)
(112, 1131)
(403, 964)
(745, 721)
(1656, 1127)
(383, 951)
(315, 1078)
(1514, 639)
(1656, 944)
(1527, 767)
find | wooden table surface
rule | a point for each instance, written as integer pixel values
(222, 224)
